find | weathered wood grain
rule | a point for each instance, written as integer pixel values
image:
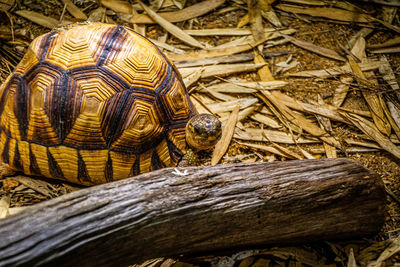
(213, 207)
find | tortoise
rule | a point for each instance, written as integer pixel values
(94, 103)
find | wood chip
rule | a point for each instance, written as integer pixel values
(222, 146)
(190, 12)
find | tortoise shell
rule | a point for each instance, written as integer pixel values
(93, 104)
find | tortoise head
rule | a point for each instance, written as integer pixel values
(203, 131)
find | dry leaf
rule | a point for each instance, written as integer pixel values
(38, 18)
(74, 10)
(192, 78)
(156, 4)
(266, 120)
(370, 129)
(265, 148)
(393, 248)
(216, 53)
(230, 105)
(228, 31)
(325, 123)
(391, 42)
(387, 50)
(264, 72)
(326, 73)
(243, 21)
(341, 91)
(190, 12)
(256, 24)
(39, 186)
(300, 120)
(118, 6)
(371, 97)
(287, 152)
(222, 146)
(6, 5)
(218, 95)
(9, 184)
(326, 52)
(326, 12)
(221, 70)
(97, 15)
(243, 57)
(275, 136)
(179, 3)
(246, 87)
(271, 17)
(167, 47)
(174, 30)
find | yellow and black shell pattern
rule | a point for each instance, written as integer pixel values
(93, 104)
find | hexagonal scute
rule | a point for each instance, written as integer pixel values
(27, 63)
(138, 63)
(176, 102)
(141, 128)
(70, 49)
(86, 130)
(45, 87)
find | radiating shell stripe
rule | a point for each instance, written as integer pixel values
(92, 104)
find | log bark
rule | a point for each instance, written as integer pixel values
(212, 208)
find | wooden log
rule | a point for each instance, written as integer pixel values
(212, 208)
